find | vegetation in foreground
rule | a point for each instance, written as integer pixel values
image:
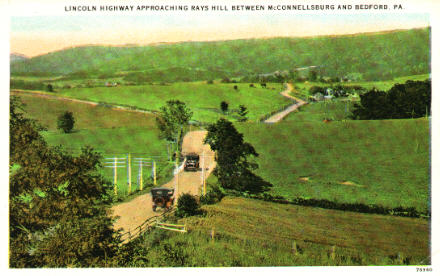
(246, 232)
(383, 162)
(58, 203)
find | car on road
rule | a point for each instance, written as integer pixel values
(191, 162)
(162, 197)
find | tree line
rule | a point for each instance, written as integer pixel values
(409, 100)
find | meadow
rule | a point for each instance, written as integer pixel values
(113, 133)
(384, 162)
(203, 99)
(256, 233)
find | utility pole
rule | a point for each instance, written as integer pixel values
(176, 182)
(141, 178)
(154, 172)
(115, 176)
(129, 172)
(115, 163)
(203, 173)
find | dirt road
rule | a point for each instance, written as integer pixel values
(280, 115)
(136, 211)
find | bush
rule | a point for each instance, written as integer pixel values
(213, 196)
(224, 106)
(209, 82)
(187, 205)
(66, 122)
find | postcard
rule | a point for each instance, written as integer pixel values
(270, 136)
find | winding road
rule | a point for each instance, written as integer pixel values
(280, 115)
(133, 213)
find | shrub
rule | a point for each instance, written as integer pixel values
(187, 205)
(66, 122)
(213, 196)
(224, 106)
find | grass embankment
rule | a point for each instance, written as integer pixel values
(114, 133)
(203, 99)
(371, 162)
(256, 233)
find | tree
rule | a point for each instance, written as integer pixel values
(224, 106)
(173, 116)
(242, 112)
(58, 204)
(409, 100)
(233, 170)
(66, 122)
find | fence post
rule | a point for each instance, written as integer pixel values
(294, 248)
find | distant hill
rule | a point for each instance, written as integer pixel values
(375, 56)
(14, 57)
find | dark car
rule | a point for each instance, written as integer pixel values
(192, 162)
(162, 197)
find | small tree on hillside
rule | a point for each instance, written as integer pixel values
(173, 116)
(233, 170)
(224, 106)
(66, 121)
(242, 112)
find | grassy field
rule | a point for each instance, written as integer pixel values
(257, 233)
(371, 162)
(203, 99)
(335, 110)
(114, 133)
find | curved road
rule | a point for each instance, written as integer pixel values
(133, 213)
(280, 115)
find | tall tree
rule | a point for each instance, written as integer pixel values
(173, 116)
(234, 170)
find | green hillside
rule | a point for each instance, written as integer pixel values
(384, 162)
(375, 56)
(257, 233)
(203, 99)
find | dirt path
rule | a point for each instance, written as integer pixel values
(48, 95)
(280, 115)
(136, 211)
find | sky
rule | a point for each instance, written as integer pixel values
(36, 35)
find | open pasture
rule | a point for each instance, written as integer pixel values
(384, 162)
(203, 99)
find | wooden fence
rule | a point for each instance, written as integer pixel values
(146, 225)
